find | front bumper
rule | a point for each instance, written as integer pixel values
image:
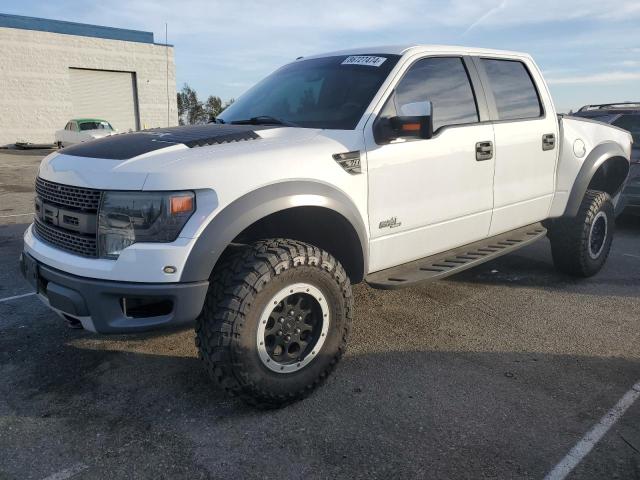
(105, 306)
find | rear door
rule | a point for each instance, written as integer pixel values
(526, 138)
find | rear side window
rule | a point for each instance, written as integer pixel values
(444, 82)
(513, 89)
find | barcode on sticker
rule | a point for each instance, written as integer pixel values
(364, 60)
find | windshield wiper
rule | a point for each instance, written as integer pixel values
(263, 120)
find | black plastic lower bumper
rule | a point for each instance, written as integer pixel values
(116, 307)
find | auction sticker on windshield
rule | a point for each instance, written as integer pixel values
(364, 60)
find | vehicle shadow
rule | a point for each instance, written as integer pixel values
(629, 223)
(533, 267)
(29, 152)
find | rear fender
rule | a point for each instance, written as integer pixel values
(611, 161)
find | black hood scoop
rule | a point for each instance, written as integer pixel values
(128, 145)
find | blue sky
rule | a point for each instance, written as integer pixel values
(588, 50)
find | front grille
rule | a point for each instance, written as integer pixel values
(86, 199)
(59, 205)
(84, 245)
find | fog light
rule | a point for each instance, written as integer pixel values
(169, 269)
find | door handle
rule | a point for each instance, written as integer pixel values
(484, 151)
(548, 141)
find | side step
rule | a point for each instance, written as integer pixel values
(454, 261)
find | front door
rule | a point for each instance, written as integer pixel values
(428, 196)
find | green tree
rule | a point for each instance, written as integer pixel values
(182, 108)
(213, 107)
(192, 111)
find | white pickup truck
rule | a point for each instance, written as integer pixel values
(390, 165)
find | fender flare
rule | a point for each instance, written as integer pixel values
(255, 205)
(596, 158)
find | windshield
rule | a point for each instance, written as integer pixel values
(328, 92)
(97, 125)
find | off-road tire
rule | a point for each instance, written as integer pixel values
(240, 286)
(570, 237)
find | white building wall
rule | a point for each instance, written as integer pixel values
(35, 95)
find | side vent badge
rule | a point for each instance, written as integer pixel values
(350, 161)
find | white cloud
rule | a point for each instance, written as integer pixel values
(527, 12)
(252, 17)
(223, 45)
(598, 78)
(486, 16)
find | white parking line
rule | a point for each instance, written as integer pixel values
(2, 300)
(586, 443)
(68, 472)
(632, 256)
(16, 215)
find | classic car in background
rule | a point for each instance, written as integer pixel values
(80, 130)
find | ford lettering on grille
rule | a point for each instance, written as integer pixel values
(66, 216)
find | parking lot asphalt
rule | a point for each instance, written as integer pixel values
(18, 169)
(494, 373)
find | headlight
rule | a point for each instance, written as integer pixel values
(125, 218)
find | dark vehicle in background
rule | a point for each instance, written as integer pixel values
(627, 116)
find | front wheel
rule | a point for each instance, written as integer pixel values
(275, 322)
(580, 245)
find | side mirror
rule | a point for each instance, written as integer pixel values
(412, 126)
(415, 120)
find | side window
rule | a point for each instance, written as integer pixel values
(513, 89)
(443, 81)
(74, 126)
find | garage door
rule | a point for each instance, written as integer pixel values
(105, 95)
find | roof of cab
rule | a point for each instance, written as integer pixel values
(411, 49)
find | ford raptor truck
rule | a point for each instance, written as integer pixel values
(388, 165)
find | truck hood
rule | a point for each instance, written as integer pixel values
(146, 159)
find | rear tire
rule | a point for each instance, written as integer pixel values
(580, 245)
(275, 321)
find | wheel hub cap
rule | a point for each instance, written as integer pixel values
(598, 235)
(293, 327)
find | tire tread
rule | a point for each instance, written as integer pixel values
(239, 276)
(570, 236)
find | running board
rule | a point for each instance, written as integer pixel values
(454, 261)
